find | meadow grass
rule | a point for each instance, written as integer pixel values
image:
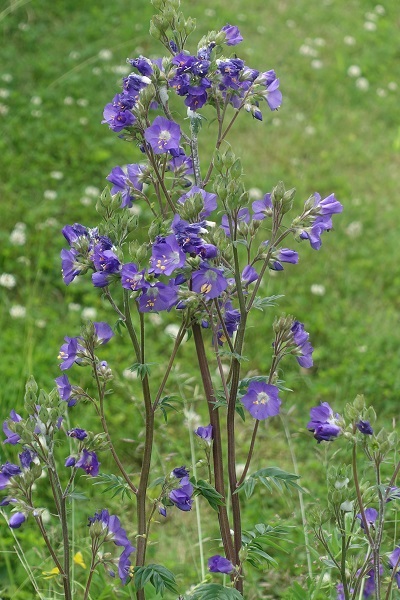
(337, 130)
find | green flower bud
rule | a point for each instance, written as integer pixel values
(228, 158)
(359, 403)
(287, 200)
(277, 193)
(236, 169)
(218, 161)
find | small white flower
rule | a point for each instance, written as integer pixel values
(105, 54)
(7, 280)
(17, 237)
(83, 121)
(354, 71)
(91, 190)
(392, 86)
(96, 71)
(3, 109)
(309, 130)
(86, 201)
(68, 100)
(36, 100)
(349, 40)
(128, 374)
(317, 289)
(371, 16)
(7, 77)
(290, 23)
(306, 50)
(369, 26)
(379, 9)
(89, 312)
(362, 84)
(40, 323)
(317, 64)
(56, 175)
(82, 102)
(381, 92)
(74, 307)
(50, 194)
(354, 229)
(18, 312)
(74, 55)
(255, 193)
(4, 93)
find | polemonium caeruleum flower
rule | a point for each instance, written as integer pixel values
(371, 516)
(364, 427)
(220, 564)
(209, 281)
(205, 433)
(16, 520)
(324, 423)
(261, 400)
(11, 437)
(163, 135)
(166, 256)
(394, 563)
(182, 496)
(89, 462)
(304, 349)
(232, 35)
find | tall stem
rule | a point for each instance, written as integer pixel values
(217, 443)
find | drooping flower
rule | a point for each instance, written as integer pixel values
(285, 255)
(11, 437)
(261, 400)
(364, 427)
(65, 390)
(324, 423)
(318, 218)
(163, 135)
(7, 471)
(103, 333)
(114, 532)
(220, 564)
(249, 274)
(232, 35)
(370, 516)
(79, 434)
(70, 267)
(205, 433)
(180, 472)
(69, 352)
(182, 496)
(16, 520)
(304, 349)
(262, 208)
(89, 462)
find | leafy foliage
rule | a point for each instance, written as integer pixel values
(114, 483)
(203, 488)
(269, 477)
(165, 404)
(261, 303)
(160, 578)
(253, 542)
(141, 369)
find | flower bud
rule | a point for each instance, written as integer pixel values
(229, 158)
(277, 193)
(236, 169)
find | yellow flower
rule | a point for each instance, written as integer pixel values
(78, 559)
(50, 574)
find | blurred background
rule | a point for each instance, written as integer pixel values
(338, 130)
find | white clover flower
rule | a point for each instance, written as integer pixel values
(17, 237)
(105, 54)
(3, 109)
(36, 100)
(354, 229)
(128, 374)
(306, 50)
(86, 201)
(74, 307)
(89, 312)
(36, 113)
(82, 102)
(317, 289)
(349, 40)
(381, 92)
(354, 71)
(392, 86)
(96, 71)
(317, 64)
(83, 121)
(8, 281)
(362, 84)
(379, 9)
(369, 26)
(92, 190)
(7, 77)
(4, 93)
(172, 330)
(56, 175)
(255, 193)
(18, 312)
(50, 194)
(68, 100)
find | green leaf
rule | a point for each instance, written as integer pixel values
(160, 577)
(156, 482)
(271, 476)
(114, 483)
(141, 369)
(261, 303)
(235, 355)
(165, 403)
(203, 488)
(215, 591)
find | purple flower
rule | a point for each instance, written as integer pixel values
(11, 437)
(26, 458)
(7, 471)
(69, 352)
(209, 200)
(394, 563)
(242, 216)
(16, 520)
(162, 510)
(119, 180)
(89, 462)
(220, 564)
(283, 255)
(304, 349)
(142, 64)
(79, 434)
(205, 433)
(262, 208)
(158, 297)
(103, 333)
(182, 496)
(370, 516)
(261, 400)
(167, 256)
(163, 135)
(273, 95)
(180, 472)
(65, 389)
(116, 118)
(131, 278)
(324, 423)
(364, 427)
(320, 215)
(394, 494)
(114, 532)
(70, 461)
(249, 274)
(209, 281)
(70, 268)
(232, 35)
(73, 233)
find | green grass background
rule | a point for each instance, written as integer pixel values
(60, 63)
